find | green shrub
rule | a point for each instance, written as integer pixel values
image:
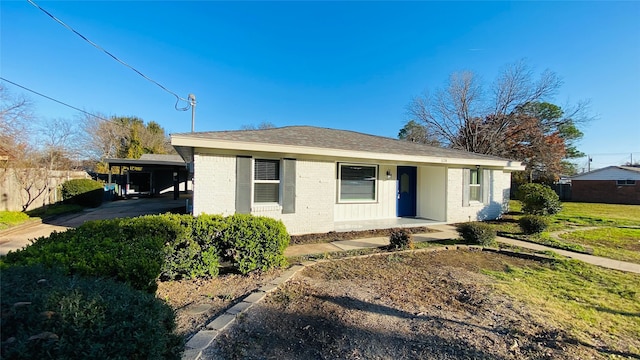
(85, 192)
(401, 239)
(477, 233)
(101, 248)
(533, 224)
(538, 199)
(47, 315)
(191, 246)
(141, 250)
(254, 242)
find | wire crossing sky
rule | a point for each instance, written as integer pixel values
(346, 65)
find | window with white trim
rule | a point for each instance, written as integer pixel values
(475, 185)
(358, 183)
(625, 182)
(266, 181)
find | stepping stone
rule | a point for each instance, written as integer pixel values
(198, 309)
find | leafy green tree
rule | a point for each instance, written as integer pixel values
(414, 132)
(123, 137)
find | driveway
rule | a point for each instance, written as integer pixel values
(18, 237)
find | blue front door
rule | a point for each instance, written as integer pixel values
(406, 190)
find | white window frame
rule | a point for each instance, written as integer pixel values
(627, 182)
(473, 185)
(254, 182)
(358, 201)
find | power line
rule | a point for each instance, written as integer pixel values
(178, 98)
(52, 99)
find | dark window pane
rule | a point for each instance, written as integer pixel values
(267, 169)
(266, 192)
(357, 182)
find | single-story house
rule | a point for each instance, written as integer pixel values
(611, 185)
(320, 180)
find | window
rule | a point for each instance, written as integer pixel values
(475, 185)
(266, 181)
(357, 183)
(625, 182)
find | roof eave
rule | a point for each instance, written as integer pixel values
(183, 143)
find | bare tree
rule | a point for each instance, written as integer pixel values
(15, 117)
(262, 126)
(456, 115)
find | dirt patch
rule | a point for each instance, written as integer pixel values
(350, 235)
(425, 305)
(199, 301)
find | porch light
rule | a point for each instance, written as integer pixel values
(388, 174)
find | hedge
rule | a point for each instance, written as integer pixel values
(254, 242)
(139, 251)
(85, 192)
(49, 315)
(98, 248)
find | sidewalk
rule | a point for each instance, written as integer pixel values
(449, 232)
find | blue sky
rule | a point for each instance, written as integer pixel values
(346, 65)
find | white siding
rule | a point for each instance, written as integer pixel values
(214, 184)
(432, 192)
(500, 183)
(384, 208)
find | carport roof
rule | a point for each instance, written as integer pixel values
(148, 160)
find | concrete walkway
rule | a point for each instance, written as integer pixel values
(445, 232)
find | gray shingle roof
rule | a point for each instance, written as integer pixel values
(310, 136)
(161, 157)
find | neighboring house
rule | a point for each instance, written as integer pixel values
(612, 185)
(320, 180)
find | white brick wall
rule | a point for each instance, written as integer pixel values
(215, 192)
(315, 194)
(498, 198)
(316, 208)
(214, 184)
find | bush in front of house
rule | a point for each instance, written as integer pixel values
(84, 192)
(254, 242)
(533, 224)
(193, 249)
(49, 315)
(538, 199)
(101, 248)
(401, 239)
(477, 233)
(139, 251)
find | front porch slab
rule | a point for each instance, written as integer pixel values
(398, 222)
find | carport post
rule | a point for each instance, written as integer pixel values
(176, 183)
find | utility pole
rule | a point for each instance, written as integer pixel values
(192, 101)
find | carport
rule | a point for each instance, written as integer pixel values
(152, 174)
